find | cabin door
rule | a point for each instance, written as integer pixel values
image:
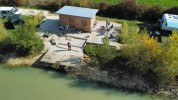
(71, 22)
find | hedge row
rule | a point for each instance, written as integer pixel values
(126, 9)
(131, 10)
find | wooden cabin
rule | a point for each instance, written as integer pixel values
(78, 17)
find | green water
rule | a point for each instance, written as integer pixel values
(38, 84)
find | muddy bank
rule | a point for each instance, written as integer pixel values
(126, 81)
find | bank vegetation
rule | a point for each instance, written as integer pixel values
(23, 41)
(140, 55)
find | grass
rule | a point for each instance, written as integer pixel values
(164, 3)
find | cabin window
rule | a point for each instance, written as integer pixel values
(84, 22)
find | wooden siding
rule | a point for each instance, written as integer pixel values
(78, 22)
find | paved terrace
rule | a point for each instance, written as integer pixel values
(59, 53)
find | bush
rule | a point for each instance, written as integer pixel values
(167, 66)
(129, 9)
(83, 3)
(153, 14)
(19, 2)
(123, 37)
(173, 10)
(145, 56)
(26, 40)
(103, 53)
(5, 40)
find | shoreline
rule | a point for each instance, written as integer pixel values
(93, 74)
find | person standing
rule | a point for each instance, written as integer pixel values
(107, 22)
(69, 46)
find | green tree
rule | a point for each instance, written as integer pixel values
(167, 65)
(27, 42)
(83, 3)
(124, 33)
(5, 40)
(19, 2)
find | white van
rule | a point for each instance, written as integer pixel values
(9, 11)
(169, 22)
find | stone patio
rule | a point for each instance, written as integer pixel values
(60, 53)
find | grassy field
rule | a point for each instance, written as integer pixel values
(164, 3)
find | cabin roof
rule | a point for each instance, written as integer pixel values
(77, 11)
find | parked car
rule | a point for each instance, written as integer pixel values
(12, 14)
(9, 11)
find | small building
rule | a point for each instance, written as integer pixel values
(169, 22)
(78, 17)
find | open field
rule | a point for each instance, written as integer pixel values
(164, 3)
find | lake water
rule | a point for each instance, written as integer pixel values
(37, 84)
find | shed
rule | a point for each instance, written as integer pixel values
(78, 17)
(169, 22)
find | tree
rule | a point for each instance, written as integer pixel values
(19, 2)
(5, 40)
(26, 40)
(167, 65)
(83, 3)
(124, 33)
(3, 32)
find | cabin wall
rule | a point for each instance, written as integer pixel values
(81, 23)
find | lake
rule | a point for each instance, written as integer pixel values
(28, 83)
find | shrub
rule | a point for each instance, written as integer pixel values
(167, 66)
(173, 10)
(153, 14)
(123, 37)
(103, 53)
(27, 42)
(83, 3)
(18, 2)
(145, 56)
(129, 9)
(5, 40)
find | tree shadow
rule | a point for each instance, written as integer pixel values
(39, 64)
(9, 25)
(152, 28)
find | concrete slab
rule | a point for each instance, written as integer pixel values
(96, 35)
(59, 52)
